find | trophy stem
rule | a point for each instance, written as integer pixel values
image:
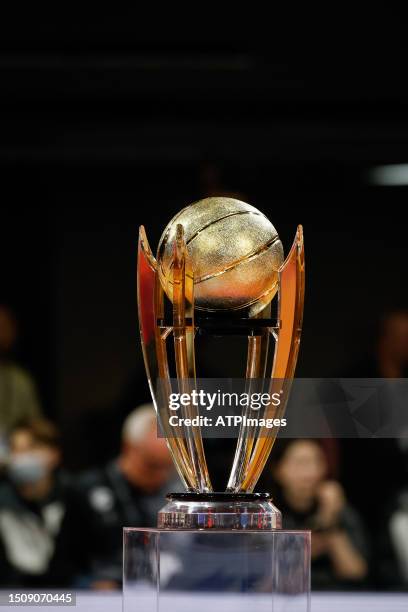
(247, 435)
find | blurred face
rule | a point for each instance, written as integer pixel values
(302, 468)
(8, 331)
(30, 459)
(149, 464)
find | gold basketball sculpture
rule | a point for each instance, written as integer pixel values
(235, 254)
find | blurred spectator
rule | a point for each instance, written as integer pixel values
(392, 542)
(362, 460)
(393, 346)
(389, 359)
(308, 500)
(36, 544)
(18, 396)
(126, 492)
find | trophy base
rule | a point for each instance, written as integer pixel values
(211, 569)
(236, 511)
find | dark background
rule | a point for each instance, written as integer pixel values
(103, 129)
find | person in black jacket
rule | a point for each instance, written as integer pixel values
(39, 541)
(128, 491)
(309, 500)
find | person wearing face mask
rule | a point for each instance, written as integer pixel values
(37, 545)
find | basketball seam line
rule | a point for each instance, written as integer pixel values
(209, 224)
(261, 249)
(258, 251)
(214, 221)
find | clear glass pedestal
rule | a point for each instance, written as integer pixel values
(167, 570)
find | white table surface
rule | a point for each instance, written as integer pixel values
(321, 602)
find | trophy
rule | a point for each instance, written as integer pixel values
(219, 271)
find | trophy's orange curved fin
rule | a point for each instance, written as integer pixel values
(150, 308)
(183, 302)
(290, 313)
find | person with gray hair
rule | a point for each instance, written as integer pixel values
(138, 423)
(128, 491)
